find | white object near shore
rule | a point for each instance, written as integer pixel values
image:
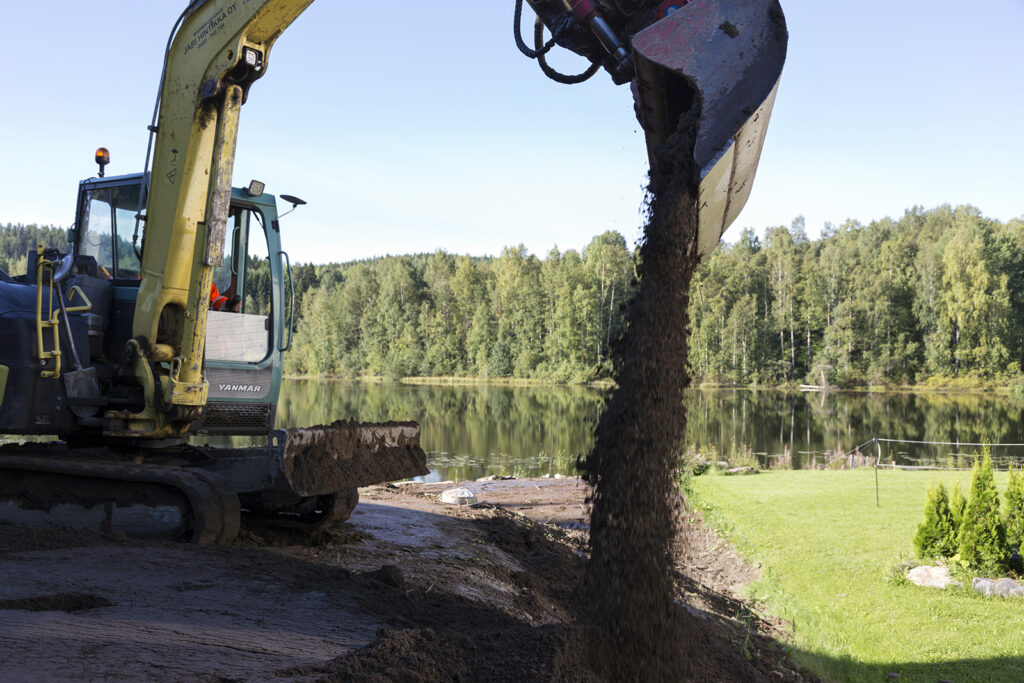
(459, 496)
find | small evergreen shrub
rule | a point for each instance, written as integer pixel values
(1015, 507)
(983, 535)
(957, 506)
(937, 535)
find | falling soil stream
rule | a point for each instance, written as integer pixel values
(628, 581)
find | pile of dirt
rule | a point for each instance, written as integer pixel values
(512, 654)
(636, 503)
(433, 634)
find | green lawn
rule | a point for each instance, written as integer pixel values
(826, 552)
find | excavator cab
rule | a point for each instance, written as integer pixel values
(114, 349)
(248, 334)
(249, 323)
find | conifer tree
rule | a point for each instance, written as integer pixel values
(983, 535)
(935, 536)
(1015, 507)
(957, 506)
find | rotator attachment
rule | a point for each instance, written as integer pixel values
(722, 57)
(725, 57)
(619, 65)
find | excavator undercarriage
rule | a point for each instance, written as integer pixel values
(303, 478)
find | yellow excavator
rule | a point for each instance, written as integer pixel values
(124, 348)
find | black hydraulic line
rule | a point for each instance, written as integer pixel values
(144, 189)
(521, 44)
(540, 48)
(67, 326)
(557, 76)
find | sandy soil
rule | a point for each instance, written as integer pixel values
(408, 589)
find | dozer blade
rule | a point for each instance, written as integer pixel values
(725, 57)
(346, 455)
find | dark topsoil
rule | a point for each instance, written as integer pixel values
(454, 593)
(436, 636)
(728, 640)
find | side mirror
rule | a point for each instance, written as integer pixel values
(294, 201)
(63, 269)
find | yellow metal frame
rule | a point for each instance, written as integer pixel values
(44, 277)
(44, 268)
(205, 83)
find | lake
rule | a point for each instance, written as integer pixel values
(472, 431)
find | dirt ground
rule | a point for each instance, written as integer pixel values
(408, 589)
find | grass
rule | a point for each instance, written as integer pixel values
(827, 553)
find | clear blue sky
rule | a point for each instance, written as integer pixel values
(419, 126)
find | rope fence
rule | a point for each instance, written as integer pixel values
(903, 454)
(954, 461)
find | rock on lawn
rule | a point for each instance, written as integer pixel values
(1007, 588)
(931, 577)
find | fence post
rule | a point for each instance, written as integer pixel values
(878, 457)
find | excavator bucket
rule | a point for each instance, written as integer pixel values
(346, 455)
(725, 57)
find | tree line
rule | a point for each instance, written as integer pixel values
(934, 294)
(440, 314)
(17, 239)
(937, 293)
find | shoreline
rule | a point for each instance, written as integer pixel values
(935, 386)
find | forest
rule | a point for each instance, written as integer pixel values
(934, 295)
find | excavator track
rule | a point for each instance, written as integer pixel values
(303, 479)
(137, 499)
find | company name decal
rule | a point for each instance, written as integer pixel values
(252, 388)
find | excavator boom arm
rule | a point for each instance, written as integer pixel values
(219, 48)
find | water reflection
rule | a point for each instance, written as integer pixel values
(468, 431)
(474, 431)
(809, 429)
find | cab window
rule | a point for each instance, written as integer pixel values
(238, 327)
(225, 276)
(126, 203)
(106, 226)
(95, 231)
